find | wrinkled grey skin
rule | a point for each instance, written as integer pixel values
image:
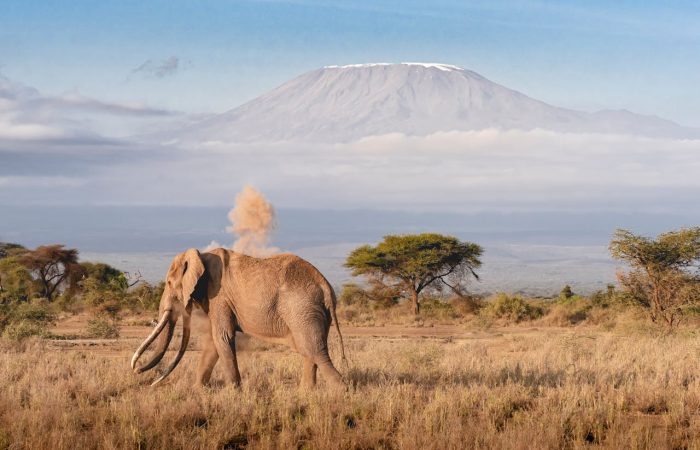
(281, 299)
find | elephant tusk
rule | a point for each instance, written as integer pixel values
(181, 351)
(149, 340)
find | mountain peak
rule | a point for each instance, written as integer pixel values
(346, 103)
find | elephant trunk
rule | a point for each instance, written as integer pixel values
(167, 321)
(183, 346)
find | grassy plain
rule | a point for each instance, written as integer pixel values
(430, 387)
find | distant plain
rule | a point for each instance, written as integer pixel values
(535, 252)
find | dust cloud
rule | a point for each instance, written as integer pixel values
(253, 222)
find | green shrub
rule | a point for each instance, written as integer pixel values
(464, 306)
(16, 283)
(95, 293)
(376, 296)
(38, 311)
(106, 275)
(146, 296)
(436, 308)
(599, 299)
(435, 304)
(20, 330)
(104, 324)
(607, 298)
(102, 328)
(108, 310)
(353, 294)
(566, 293)
(512, 308)
(21, 320)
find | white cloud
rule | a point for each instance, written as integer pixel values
(28, 115)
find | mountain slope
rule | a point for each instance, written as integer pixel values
(344, 103)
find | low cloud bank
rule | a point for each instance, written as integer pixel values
(489, 169)
(450, 171)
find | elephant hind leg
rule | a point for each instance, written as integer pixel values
(308, 379)
(329, 371)
(315, 352)
(310, 339)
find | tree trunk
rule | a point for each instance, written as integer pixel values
(414, 299)
(47, 289)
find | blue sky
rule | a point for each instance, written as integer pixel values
(643, 56)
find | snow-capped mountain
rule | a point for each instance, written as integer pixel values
(345, 103)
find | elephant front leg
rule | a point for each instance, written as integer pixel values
(223, 330)
(226, 349)
(207, 360)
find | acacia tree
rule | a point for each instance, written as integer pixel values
(414, 262)
(52, 266)
(664, 277)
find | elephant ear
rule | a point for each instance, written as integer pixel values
(192, 270)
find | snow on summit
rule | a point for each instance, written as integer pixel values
(444, 67)
(347, 103)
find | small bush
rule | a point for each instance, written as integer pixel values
(38, 311)
(95, 293)
(433, 304)
(71, 304)
(605, 299)
(605, 318)
(465, 306)
(568, 311)
(105, 320)
(435, 308)
(23, 320)
(146, 296)
(109, 310)
(376, 296)
(23, 329)
(102, 328)
(353, 294)
(566, 293)
(512, 308)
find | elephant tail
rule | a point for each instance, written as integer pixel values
(331, 306)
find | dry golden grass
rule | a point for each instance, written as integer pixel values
(515, 388)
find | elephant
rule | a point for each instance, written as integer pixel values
(280, 299)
